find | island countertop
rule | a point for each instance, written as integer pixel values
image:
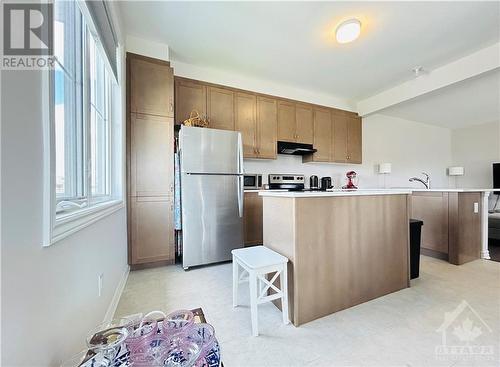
(311, 194)
(359, 192)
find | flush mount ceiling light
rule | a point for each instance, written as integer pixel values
(348, 31)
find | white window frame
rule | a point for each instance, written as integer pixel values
(57, 227)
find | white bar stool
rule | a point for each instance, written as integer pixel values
(256, 263)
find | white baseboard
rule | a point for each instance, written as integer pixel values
(116, 297)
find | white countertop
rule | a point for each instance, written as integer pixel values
(359, 192)
(309, 194)
(452, 190)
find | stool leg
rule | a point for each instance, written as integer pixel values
(253, 302)
(284, 297)
(236, 281)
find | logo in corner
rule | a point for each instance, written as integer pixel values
(28, 41)
(461, 333)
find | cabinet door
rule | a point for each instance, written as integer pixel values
(432, 209)
(286, 121)
(322, 135)
(151, 155)
(304, 123)
(340, 122)
(151, 87)
(151, 229)
(266, 127)
(252, 219)
(220, 108)
(189, 96)
(354, 140)
(244, 109)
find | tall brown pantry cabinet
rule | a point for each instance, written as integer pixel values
(150, 169)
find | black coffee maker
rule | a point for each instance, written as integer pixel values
(313, 182)
(326, 183)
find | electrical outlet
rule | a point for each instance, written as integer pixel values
(476, 207)
(99, 284)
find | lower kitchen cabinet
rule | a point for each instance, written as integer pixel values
(432, 209)
(252, 219)
(151, 233)
(452, 224)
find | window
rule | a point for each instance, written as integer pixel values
(84, 139)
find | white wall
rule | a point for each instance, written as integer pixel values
(46, 290)
(49, 295)
(147, 48)
(410, 146)
(253, 84)
(476, 148)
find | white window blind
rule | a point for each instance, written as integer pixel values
(100, 13)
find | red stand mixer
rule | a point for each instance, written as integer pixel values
(351, 175)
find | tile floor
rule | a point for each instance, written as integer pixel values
(398, 329)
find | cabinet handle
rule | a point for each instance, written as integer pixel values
(171, 105)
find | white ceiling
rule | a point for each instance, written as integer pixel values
(292, 42)
(467, 103)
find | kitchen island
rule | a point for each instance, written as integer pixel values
(455, 223)
(344, 247)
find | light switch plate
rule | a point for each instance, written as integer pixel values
(476, 207)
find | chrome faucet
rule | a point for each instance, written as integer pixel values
(426, 183)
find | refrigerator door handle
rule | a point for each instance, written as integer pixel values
(240, 195)
(240, 178)
(240, 155)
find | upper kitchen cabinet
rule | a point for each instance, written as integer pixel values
(264, 120)
(347, 138)
(245, 105)
(322, 137)
(339, 138)
(354, 140)
(295, 122)
(304, 123)
(267, 119)
(286, 121)
(220, 108)
(151, 87)
(189, 96)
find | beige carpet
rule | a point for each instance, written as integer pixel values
(398, 329)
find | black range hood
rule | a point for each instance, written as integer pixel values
(285, 147)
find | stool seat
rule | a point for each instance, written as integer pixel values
(258, 257)
(261, 267)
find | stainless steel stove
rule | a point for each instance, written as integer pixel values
(292, 182)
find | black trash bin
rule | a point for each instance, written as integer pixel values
(415, 237)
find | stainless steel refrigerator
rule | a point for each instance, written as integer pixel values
(211, 194)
